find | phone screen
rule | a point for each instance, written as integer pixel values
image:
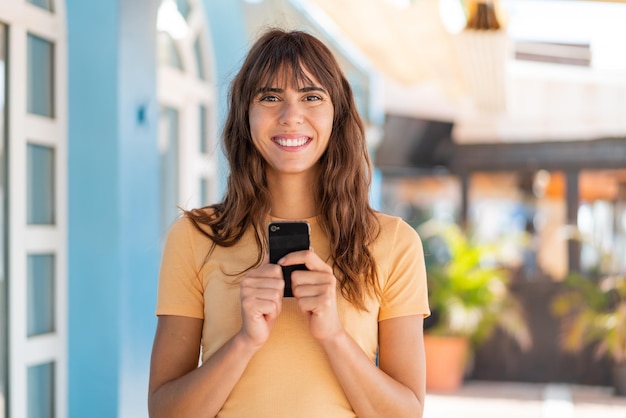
(285, 238)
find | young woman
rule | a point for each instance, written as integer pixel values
(297, 151)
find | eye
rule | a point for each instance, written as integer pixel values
(312, 98)
(268, 98)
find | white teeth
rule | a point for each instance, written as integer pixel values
(291, 142)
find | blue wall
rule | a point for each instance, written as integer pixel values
(140, 233)
(114, 237)
(230, 44)
(94, 199)
(114, 234)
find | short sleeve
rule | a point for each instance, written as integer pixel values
(180, 290)
(404, 289)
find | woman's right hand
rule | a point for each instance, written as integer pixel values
(261, 295)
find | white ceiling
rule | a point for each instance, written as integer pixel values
(423, 76)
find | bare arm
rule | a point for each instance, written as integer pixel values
(178, 387)
(395, 389)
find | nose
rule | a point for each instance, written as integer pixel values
(291, 113)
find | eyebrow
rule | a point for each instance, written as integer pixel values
(305, 89)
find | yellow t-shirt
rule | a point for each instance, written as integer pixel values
(290, 375)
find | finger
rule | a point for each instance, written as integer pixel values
(304, 277)
(311, 290)
(260, 308)
(261, 291)
(315, 305)
(251, 286)
(272, 292)
(265, 283)
(307, 257)
(265, 271)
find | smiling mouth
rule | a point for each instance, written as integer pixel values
(292, 142)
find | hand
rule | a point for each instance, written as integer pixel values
(315, 290)
(261, 293)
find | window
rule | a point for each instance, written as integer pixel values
(169, 151)
(187, 127)
(184, 8)
(203, 138)
(44, 4)
(168, 52)
(40, 185)
(40, 294)
(33, 166)
(40, 74)
(41, 388)
(197, 49)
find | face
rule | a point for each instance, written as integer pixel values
(291, 125)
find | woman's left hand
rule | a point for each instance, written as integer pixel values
(315, 290)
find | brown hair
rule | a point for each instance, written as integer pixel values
(345, 215)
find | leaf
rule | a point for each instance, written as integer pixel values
(467, 288)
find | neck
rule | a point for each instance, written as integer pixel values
(292, 196)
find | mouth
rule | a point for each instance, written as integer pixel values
(292, 142)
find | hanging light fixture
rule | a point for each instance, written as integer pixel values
(483, 50)
(170, 20)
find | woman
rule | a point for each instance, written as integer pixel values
(297, 151)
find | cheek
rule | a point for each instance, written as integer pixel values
(256, 125)
(260, 118)
(325, 117)
(252, 119)
(330, 123)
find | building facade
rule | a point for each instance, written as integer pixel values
(110, 119)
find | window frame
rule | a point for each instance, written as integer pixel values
(22, 19)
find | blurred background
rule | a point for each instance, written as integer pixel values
(497, 129)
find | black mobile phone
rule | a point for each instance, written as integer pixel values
(285, 238)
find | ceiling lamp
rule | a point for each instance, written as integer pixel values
(483, 51)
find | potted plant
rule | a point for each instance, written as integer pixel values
(469, 298)
(593, 311)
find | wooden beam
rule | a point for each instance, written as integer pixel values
(557, 155)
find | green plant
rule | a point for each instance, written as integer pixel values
(468, 290)
(594, 311)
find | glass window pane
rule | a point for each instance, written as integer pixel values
(40, 294)
(168, 148)
(40, 76)
(40, 399)
(168, 54)
(204, 192)
(203, 130)
(40, 185)
(44, 4)
(197, 48)
(184, 8)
